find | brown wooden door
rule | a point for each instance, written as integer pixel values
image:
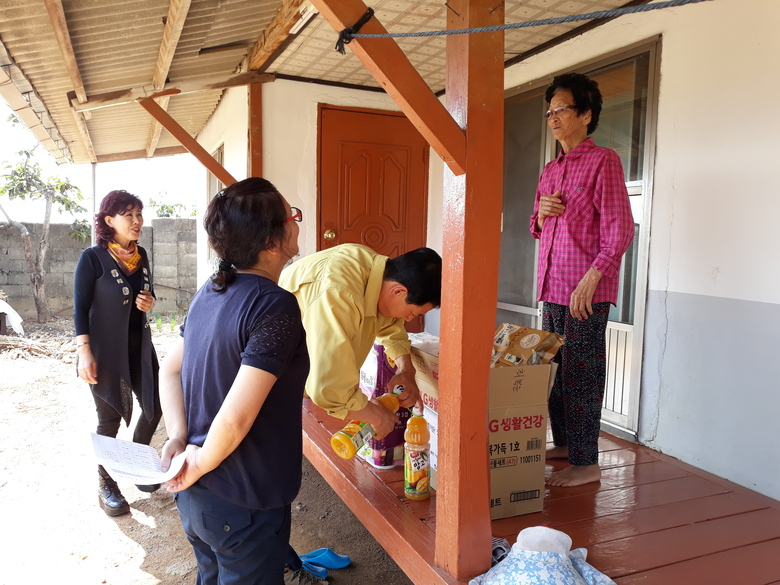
(373, 177)
(373, 182)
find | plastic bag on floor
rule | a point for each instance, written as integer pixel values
(543, 556)
(12, 318)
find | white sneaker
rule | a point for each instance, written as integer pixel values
(301, 577)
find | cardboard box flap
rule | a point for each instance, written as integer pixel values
(527, 385)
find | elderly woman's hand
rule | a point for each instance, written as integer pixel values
(144, 301)
(549, 206)
(581, 303)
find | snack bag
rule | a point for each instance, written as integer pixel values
(514, 345)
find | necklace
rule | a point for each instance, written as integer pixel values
(258, 272)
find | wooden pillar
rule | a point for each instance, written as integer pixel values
(471, 221)
(255, 130)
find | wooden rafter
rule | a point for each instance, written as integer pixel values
(392, 69)
(186, 140)
(154, 139)
(177, 15)
(60, 26)
(276, 33)
(126, 96)
(134, 154)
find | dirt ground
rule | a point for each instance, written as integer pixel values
(55, 532)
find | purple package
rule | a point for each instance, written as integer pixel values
(375, 374)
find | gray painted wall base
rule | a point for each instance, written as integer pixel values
(711, 386)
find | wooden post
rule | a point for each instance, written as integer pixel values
(472, 214)
(255, 130)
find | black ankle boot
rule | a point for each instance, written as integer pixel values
(111, 499)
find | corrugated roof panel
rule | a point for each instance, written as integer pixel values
(116, 44)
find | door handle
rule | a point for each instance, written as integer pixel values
(329, 235)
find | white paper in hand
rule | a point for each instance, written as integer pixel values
(133, 461)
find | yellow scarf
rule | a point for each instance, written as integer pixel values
(129, 259)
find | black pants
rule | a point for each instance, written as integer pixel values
(109, 419)
(576, 396)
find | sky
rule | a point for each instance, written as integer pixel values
(170, 179)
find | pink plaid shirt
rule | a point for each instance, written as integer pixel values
(595, 230)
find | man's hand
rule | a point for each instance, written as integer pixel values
(581, 306)
(549, 206)
(405, 377)
(381, 418)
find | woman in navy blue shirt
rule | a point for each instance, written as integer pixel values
(231, 392)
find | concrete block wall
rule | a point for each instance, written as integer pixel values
(173, 265)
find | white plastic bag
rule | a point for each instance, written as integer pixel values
(12, 318)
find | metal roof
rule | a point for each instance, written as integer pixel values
(106, 51)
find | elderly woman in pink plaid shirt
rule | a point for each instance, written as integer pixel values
(583, 220)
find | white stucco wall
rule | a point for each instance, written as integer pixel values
(228, 126)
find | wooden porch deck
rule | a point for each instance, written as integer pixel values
(651, 521)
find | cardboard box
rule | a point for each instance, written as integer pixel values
(517, 431)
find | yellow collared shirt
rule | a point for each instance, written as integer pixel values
(338, 291)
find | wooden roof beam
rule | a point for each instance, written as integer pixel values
(60, 26)
(277, 32)
(391, 68)
(174, 24)
(186, 140)
(134, 154)
(126, 96)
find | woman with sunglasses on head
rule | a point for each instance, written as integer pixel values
(112, 295)
(231, 391)
(582, 217)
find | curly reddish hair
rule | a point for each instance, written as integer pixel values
(115, 203)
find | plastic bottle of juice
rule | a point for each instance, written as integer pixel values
(416, 459)
(352, 437)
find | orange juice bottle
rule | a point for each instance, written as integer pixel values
(352, 437)
(416, 459)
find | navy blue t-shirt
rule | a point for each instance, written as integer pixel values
(258, 324)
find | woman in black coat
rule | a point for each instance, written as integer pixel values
(112, 294)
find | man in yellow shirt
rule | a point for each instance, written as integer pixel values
(350, 297)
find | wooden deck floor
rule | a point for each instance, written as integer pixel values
(652, 520)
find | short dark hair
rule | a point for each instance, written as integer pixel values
(241, 221)
(420, 272)
(115, 203)
(585, 91)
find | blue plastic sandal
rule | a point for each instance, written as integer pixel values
(325, 557)
(317, 570)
